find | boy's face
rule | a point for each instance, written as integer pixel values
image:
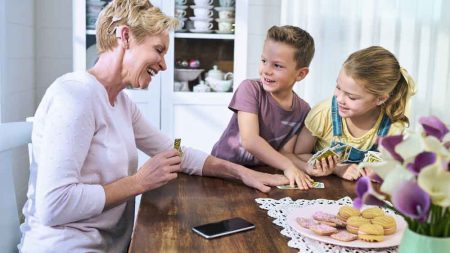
(352, 98)
(278, 69)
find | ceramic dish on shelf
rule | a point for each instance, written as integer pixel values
(202, 7)
(180, 30)
(181, 7)
(227, 20)
(200, 19)
(224, 8)
(200, 31)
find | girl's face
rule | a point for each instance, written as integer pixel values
(352, 98)
(143, 61)
(277, 68)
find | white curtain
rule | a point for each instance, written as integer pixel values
(416, 31)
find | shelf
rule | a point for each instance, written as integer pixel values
(213, 36)
(202, 98)
(90, 31)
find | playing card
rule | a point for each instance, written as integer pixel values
(177, 145)
(372, 157)
(288, 187)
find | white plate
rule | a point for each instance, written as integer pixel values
(202, 6)
(308, 211)
(200, 31)
(200, 19)
(91, 56)
(224, 8)
(224, 32)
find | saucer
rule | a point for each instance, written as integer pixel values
(181, 7)
(224, 8)
(180, 30)
(227, 20)
(200, 19)
(200, 31)
(224, 32)
(201, 6)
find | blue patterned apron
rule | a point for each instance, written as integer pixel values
(355, 155)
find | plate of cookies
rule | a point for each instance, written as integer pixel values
(370, 227)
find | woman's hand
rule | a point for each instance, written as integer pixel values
(296, 176)
(159, 170)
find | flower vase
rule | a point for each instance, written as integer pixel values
(413, 242)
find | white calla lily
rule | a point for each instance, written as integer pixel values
(436, 182)
(411, 146)
(396, 175)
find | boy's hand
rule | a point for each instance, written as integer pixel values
(296, 176)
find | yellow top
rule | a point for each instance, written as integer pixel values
(319, 123)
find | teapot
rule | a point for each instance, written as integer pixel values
(216, 73)
(201, 87)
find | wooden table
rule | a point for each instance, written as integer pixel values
(167, 214)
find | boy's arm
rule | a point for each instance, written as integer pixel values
(257, 146)
(303, 151)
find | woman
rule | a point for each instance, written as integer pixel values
(84, 176)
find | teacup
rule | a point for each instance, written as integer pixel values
(181, 23)
(202, 25)
(180, 2)
(226, 3)
(203, 2)
(226, 14)
(203, 13)
(179, 13)
(225, 26)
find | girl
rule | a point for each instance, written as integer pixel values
(369, 102)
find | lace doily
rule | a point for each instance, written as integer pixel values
(278, 209)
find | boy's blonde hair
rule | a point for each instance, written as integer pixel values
(140, 16)
(297, 38)
(380, 73)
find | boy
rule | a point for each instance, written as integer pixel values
(268, 115)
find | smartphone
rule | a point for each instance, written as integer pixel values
(225, 227)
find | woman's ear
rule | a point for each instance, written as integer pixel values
(123, 35)
(301, 73)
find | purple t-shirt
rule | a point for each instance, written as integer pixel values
(276, 125)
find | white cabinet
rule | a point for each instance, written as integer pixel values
(198, 118)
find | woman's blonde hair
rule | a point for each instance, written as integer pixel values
(380, 73)
(140, 16)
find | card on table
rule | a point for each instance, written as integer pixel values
(177, 145)
(318, 185)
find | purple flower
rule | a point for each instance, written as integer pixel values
(434, 127)
(389, 143)
(421, 161)
(411, 200)
(366, 194)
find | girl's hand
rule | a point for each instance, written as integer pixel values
(351, 172)
(324, 167)
(296, 176)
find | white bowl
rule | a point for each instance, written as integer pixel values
(219, 85)
(184, 75)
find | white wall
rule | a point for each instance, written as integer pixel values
(17, 52)
(262, 14)
(53, 42)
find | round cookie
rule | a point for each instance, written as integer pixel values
(354, 222)
(372, 212)
(387, 222)
(346, 212)
(371, 233)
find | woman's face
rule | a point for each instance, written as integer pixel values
(143, 61)
(352, 98)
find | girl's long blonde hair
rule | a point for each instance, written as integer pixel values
(380, 73)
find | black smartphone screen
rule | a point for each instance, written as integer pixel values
(225, 227)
